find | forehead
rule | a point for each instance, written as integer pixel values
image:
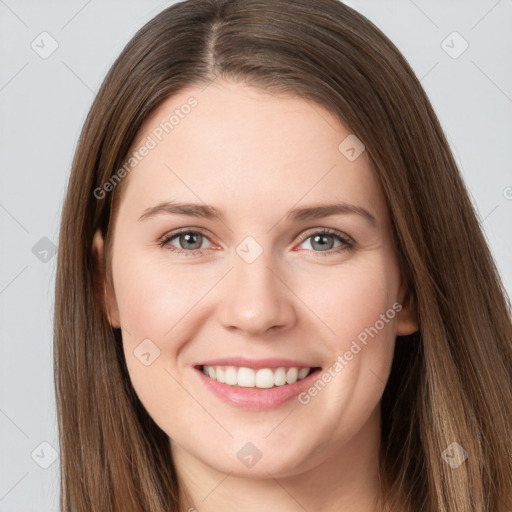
(224, 140)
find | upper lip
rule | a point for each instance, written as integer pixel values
(256, 364)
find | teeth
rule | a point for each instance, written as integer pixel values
(231, 376)
(303, 372)
(280, 377)
(246, 378)
(263, 378)
(221, 374)
(292, 375)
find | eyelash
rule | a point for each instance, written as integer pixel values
(348, 243)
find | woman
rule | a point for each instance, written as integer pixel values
(272, 287)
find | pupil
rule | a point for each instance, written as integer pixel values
(325, 242)
(193, 239)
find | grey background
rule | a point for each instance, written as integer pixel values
(43, 104)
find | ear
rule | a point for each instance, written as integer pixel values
(103, 289)
(407, 317)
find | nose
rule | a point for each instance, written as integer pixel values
(257, 301)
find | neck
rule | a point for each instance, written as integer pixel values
(346, 481)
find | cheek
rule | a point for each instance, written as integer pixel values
(357, 306)
(155, 306)
(350, 301)
(151, 299)
(162, 304)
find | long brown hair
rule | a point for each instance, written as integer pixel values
(450, 381)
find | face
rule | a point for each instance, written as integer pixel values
(255, 282)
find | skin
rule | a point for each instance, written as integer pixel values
(255, 156)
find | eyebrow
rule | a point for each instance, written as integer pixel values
(190, 209)
(316, 212)
(297, 214)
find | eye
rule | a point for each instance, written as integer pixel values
(185, 241)
(327, 241)
(192, 242)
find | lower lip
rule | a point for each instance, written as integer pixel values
(257, 399)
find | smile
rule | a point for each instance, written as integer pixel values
(263, 378)
(256, 384)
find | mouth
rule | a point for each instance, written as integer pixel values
(256, 385)
(263, 378)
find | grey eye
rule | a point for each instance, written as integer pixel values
(189, 240)
(321, 242)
